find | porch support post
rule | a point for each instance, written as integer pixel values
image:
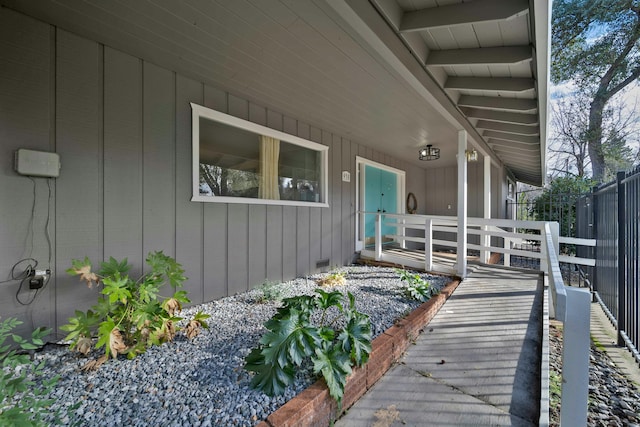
(462, 204)
(486, 239)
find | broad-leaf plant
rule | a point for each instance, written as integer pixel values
(340, 340)
(416, 287)
(23, 387)
(132, 315)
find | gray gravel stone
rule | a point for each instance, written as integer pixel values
(613, 399)
(202, 381)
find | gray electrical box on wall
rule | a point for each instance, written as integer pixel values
(37, 163)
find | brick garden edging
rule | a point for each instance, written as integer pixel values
(314, 407)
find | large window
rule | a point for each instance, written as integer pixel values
(236, 161)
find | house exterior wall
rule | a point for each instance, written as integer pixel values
(442, 188)
(122, 128)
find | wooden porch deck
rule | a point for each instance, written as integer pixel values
(443, 262)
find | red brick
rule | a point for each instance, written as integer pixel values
(449, 288)
(400, 340)
(380, 359)
(356, 386)
(414, 323)
(313, 407)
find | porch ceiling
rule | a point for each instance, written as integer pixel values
(391, 74)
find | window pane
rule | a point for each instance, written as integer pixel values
(228, 160)
(299, 173)
(235, 162)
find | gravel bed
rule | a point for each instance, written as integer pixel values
(613, 400)
(202, 382)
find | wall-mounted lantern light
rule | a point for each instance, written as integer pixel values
(471, 155)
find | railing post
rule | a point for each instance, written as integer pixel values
(428, 247)
(554, 228)
(404, 233)
(622, 238)
(575, 358)
(485, 241)
(507, 255)
(378, 237)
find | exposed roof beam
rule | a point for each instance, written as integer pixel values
(506, 127)
(499, 103)
(480, 56)
(520, 174)
(524, 175)
(512, 137)
(507, 146)
(524, 164)
(501, 116)
(520, 159)
(505, 84)
(463, 13)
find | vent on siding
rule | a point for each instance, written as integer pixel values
(322, 263)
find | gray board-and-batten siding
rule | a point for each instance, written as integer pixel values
(122, 128)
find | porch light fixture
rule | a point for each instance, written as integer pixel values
(429, 153)
(471, 155)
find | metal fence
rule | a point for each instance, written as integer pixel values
(563, 208)
(610, 214)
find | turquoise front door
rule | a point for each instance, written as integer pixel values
(380, 195)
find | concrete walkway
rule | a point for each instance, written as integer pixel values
(477, 362)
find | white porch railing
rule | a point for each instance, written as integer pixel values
(569, 305)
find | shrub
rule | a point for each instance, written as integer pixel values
(21, 399)
(132, 316)
(417, 288)
(269, 291)
(292, 339)
(337, 278)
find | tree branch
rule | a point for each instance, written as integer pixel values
(634, 75)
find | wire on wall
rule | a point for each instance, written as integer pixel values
(25, 268)
(46, 225)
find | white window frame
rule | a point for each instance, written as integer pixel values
(198, 111)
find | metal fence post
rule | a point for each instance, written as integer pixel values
(594, 230)
(621, 256)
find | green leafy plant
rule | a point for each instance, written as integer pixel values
(132, 315)
(292, 338)
(22, 401)
(416, 287)
(269, 291)
(336, 278)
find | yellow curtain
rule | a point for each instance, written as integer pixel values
(269, 155)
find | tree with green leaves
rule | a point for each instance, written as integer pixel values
(558, 202)
(595, 44)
